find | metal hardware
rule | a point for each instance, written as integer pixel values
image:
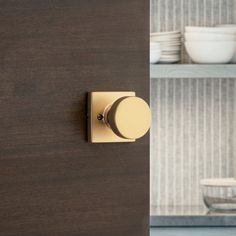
(117, 117)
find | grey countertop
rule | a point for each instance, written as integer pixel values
(190, 216)
(205, 231)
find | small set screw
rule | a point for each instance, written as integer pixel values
(100, 117)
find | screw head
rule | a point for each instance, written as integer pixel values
(100, 117)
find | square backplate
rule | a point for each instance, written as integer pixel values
(98, 131)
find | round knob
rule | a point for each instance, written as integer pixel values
(129, 117)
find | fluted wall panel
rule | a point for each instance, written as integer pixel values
(192, 137)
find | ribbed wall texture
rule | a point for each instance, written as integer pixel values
(192, 137)
(167, 15)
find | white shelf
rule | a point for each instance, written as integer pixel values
(161, 71)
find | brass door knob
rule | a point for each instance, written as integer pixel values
(129, 117)
(117, 117)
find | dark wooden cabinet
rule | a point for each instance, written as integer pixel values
(52, 181)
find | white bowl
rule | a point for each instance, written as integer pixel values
(219, 194)
(215, 30)
(155, 56)
(211, 52)
(209, 37)
(155, 45)
(234, 58)
(234, 27)
(227, 25)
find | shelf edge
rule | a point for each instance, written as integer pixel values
(192, 71)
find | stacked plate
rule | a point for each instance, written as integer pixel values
(209, 45)
(170, 45)
(155, 52)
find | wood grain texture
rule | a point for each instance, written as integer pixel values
(52, 182)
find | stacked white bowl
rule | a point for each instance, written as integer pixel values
(170, 45)
(155, 52)
(233, 26)
(210, 45)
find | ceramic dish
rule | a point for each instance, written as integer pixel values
(165, 39)
(170, 53)
(209, 37)
(227, 25)
(168, 61)
(170, 56)
(234, 27)
(155, 45)
(172, 48)
(170, 45)
(219, 194)
(155, 57)
(221, 30)
(211, 52)
(155, 52)
(165, 33)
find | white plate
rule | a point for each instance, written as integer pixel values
(169, 40)
(168, 61)
(171, 36)
(174, 43)
(154, 57)
(171, 48)
(166, 33)
(171, 53)
(165, 39)
(155, 45)
(170, 56)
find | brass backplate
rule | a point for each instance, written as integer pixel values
(98, 131)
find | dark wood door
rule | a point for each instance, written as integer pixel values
(52, 181)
